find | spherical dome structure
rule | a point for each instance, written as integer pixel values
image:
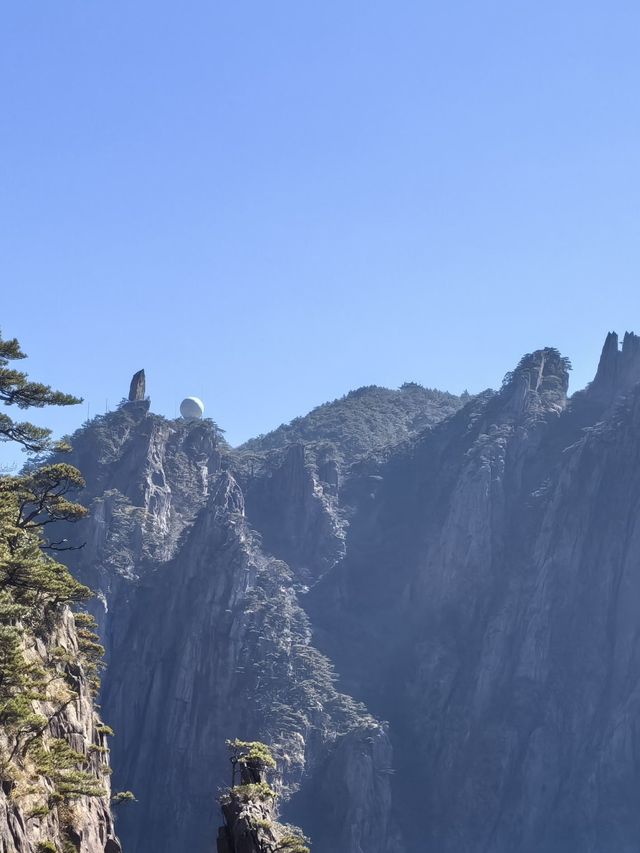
(191, 407)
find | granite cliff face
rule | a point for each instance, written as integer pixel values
(32, 812)
(55, 791)
(200, 611)
(494, 568)
(473, 580)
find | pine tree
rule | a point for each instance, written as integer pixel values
(17, 390)
(35, 685)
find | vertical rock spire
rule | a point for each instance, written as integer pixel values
(137, 387)
(619, 367)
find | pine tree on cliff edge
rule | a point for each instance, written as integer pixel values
(17, 390)
(39, 679)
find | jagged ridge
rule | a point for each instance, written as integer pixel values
(472, 584)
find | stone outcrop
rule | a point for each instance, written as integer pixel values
(30, 811)
(250, 818)
(239, 833)
(137, 388)
(619, 367)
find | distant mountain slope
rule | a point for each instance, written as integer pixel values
(363, 420)
(474, 587)
(491, 565)
(206, 637)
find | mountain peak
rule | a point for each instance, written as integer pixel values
(541, 379)
(619, 366)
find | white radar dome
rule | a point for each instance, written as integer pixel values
(191, 407)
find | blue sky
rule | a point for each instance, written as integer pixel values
(267, 204)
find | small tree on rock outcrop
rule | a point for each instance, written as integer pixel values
(248, 808)
(252, 758)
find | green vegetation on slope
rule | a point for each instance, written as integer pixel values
(364, 420)
(39, 677)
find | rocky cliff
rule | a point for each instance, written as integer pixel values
(248, 806)
(493, 566)
(205, 633)
(55, 793)
(472, 581)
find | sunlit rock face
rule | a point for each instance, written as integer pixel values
(84, 822)
(473, 580)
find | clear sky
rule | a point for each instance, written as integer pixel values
(267, 204)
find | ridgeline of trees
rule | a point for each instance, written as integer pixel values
(366, 419)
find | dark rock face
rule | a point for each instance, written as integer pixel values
(348, 803)
(296, 513)
(494, 570)
(238, 834)
(137, 387)
(474, 582)
(250, 820)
